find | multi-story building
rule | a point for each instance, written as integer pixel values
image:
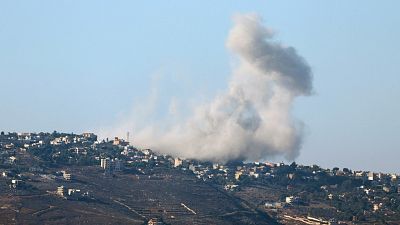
(105, 163)
(61, 191)
(371, 176)
(67, 176)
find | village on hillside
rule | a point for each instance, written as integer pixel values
(73, 171)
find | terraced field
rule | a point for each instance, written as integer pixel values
(124, 198)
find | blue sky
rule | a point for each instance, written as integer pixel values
(79, 65)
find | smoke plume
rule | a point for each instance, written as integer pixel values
(252, 119)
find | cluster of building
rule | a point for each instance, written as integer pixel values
(71, 193)
(111, 165)
(117, 155)
(376, 189)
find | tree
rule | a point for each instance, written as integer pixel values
(346, 170)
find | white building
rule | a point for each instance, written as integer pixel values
(289, 199)
(177, 162)
(238, 174)
(15, 183)
(105, 163)
(371, 176)
(73, 191)
(67, 176)
(61, 190)
(12, 159)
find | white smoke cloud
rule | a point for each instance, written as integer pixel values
(252, 120)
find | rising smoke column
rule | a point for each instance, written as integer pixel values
(252, 120)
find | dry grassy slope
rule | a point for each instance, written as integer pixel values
(128, 199)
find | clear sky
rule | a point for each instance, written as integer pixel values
(79, 65)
